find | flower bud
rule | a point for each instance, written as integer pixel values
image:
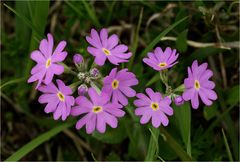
(94, 72)
(82, 89)
(178, 100)
(77, 59)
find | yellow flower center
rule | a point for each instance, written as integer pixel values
(197, 85)
(154, 106)
(115, 84)
(48, 63)
(162, 64)
(97, 109)
(60, 96)
(107, 52)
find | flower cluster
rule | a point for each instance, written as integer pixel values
(99, 101)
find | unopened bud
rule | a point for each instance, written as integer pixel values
(178, 100)
(94, 72)
(77, 59)
(82, 89)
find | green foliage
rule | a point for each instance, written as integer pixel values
(208, 133)
(38, 141)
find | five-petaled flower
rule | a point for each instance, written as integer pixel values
(104, 47)
(198, 84)
(47, 61)
(160, 60)
(118, 85)
(98, 111)
(155, 106)
(59, 100)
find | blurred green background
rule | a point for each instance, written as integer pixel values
(210, 33)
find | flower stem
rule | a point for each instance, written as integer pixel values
(153, 145)
(95, 87)
(73, 86)
(68, 69)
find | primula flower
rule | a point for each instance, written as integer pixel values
(198, 84)
(118, 85)
(98, 112)
(160, 60)
(47, 61)
(58, 99)
(104, 47)
(153, 106)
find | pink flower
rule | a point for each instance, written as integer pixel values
(104, 47)
(47, 61)
(58, 99)
(98, 112)
(160, 60)
(198, 84)
(154, 106)
(118, 85)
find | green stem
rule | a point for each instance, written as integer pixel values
(153, 145)
(95, 87)
(68, 69)
(73, 86)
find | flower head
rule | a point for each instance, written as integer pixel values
(47, 61)
(82, 90)
(77, 59)
(98, 111)
(198, 84)
(58, 99)
(118, 85)
(153, 106)
(160, 60)
(104, 47)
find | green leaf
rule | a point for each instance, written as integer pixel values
(181, 14)
(181, 41)
(227, 146)
(210, 111)
(22, 29)
(29, 23)
(113, 157)
(158, 38)
(233, 95)
(153, 145)
(154, 79)
(175, 145)
(113, 136)
(38, 141)
(91, 13)
(183, 118)
(39, 19)
(12, 82)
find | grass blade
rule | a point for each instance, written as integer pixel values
(153, 145)
(39, 19)
(80, 14)
(12, 82)
(37, 141)
(29, 23)
(227, 146)
(135, 40)
(91, 13)
(158, 38)
(175, 146)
